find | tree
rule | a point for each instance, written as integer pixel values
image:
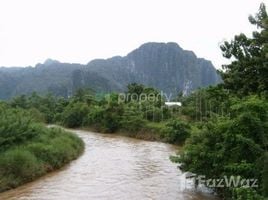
(231, 146)
(132, 118)
(135, 88)
(20, 101)
(75, 114)
(235, 143)
(176, 131)
(85, 95)
(248, 73)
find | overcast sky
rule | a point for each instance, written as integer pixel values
(81, 30)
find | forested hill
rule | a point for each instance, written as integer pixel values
(165, 66)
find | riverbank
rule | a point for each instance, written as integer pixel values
(113, 167)
(166, 132)
(143, 134)
(29, 149)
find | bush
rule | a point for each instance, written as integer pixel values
(246, 193)
(75, 114)
(29, 150)
(154, 114)
(19, 166)
(176, 131)
(95, 116)
(16, 127)
(231, 146)
(132, 119)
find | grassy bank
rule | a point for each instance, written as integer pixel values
(168, 131)
(143, 134)
(29, 150)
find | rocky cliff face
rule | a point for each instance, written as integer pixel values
(165, 66)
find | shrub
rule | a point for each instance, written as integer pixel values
(245, 193)
(231, 146)
(95, 116)
(74, 114)
(132, 119)
(29, 149)
(176, 131)
(19, 165)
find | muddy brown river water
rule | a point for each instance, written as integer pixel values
(113, 167)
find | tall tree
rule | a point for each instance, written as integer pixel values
(248, 73)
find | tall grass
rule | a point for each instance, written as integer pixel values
(28, 149)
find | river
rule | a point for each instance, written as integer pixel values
(113, 167)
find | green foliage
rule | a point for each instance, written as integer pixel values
(95, 116)
(16, 127)
(106, 113)
(74, 114)
(52, 151)
(132, 119)
(206, 103)
(46, 105)
(106, 116)
(265, 175)
(176, 131)
(20, 101)
(231, 135)
(28, 149)
(230, 146)
(248, 73)
(145, 96)
(112, 116)
(135, 88)
(37, 115)
(243, 193)
(84, 95)
(20, 164)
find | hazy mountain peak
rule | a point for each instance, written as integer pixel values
(165, 66)
(160, 44)
(50, 61)
(156, 46)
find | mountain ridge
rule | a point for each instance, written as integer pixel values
(156, 57)
(165, 66)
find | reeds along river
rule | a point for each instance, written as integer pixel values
(113, 167)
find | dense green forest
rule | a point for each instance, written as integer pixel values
(146, 119)
(224, 128)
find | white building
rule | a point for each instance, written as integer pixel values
(169, 104)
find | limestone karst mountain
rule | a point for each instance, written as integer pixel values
(165, 66)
